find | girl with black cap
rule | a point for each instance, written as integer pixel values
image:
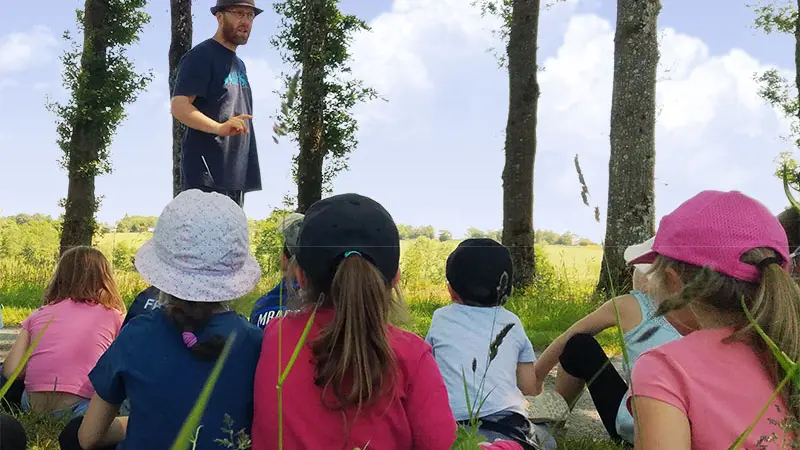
(357, 382)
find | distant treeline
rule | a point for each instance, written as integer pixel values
(35, 236)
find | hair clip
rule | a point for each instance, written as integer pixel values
(189, 339)
(352, 252)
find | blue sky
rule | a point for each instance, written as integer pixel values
(432, 154)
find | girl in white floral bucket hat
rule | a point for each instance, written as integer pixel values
(200, 259)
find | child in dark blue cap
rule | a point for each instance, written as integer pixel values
(479, 275)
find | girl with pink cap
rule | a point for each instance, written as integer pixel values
(716, 254)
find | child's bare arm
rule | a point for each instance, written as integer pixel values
(101, 426)
(14, 358)
(602, 318)
(526, 379)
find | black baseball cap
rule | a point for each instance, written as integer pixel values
(480, 271)
(347, 223)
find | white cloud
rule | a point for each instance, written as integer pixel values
(21, 50)
(263, 78)
(403, 41)
(447, 105)
(713, 131)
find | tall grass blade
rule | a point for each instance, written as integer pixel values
(187, 432)
(297, 347)
(4, 389)
(285, 374)
(786, 363)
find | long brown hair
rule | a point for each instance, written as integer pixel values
(189, 317)
(83, 274)
(774, 303)
(353, 355)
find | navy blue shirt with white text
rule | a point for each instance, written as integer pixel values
(218, 79)
(149, 364)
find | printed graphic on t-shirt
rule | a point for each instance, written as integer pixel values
(265, 316)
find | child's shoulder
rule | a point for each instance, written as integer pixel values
(407, 345)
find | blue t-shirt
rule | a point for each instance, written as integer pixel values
(651, 332)
(145, 302)
(272, 304)
(461, 333)
(218, 78)
(149, 364)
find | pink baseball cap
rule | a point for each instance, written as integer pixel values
(715, 229)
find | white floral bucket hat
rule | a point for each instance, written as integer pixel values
(200, 250)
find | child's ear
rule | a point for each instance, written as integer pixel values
(301, 278)
(453, 296)
(673, 280)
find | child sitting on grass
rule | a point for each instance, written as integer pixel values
(84, 312)
(199, 258)
(583, 359)
(274, 303)
(718, 255)
(357, 382)
(479, 274)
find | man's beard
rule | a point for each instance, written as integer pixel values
(230, 34)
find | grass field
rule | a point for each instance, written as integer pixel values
(561, 295)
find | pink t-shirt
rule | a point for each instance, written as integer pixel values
(417, 416)
(721, 387)
(70, 347)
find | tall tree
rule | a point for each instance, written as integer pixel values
(520, 145)
(519, 30)
(314, 36)
(631, 166)
(102, 81)
(180, 43)
(779, 92)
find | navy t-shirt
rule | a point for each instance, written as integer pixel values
(272, 305)
(149, 364)
(145, 302)
(218, 79)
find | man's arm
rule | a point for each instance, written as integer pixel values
(192, 81)
(183, 110)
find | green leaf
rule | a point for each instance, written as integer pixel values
(190, 426)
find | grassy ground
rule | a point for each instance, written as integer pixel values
(561, 295)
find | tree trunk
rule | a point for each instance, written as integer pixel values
(312, 104)
(797, 54)
(81, 204)
(520, 142)
(181, 42)
(631, 166)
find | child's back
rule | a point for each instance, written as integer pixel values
(461, 334)
(395, 421)
(70, 347)
(164, 382)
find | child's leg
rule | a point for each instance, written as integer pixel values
(68, 438)
(584, 359)
(14, 394)
(12, 434)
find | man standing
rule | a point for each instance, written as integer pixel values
(212, 97)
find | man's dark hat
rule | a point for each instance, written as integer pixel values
(222, 4)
